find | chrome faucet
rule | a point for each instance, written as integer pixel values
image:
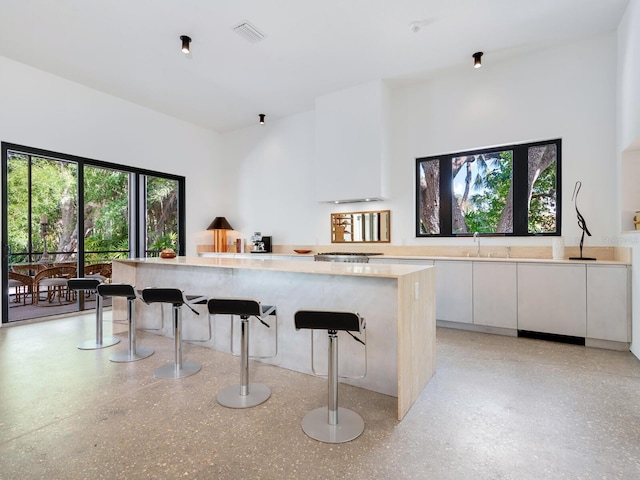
(476, 239)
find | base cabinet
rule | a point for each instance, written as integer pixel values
(580, 300)
(608, 309)
(552, 299)
(454, 291)
(495, 295)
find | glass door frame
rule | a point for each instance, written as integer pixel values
(137, 202)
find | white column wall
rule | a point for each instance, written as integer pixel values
(44, 111)
(629, 77)
(628, 124)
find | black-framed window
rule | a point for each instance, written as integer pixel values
(63, 209)
(510, 190)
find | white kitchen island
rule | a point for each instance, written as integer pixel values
(397, 302)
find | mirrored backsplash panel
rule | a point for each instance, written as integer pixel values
(361, 227)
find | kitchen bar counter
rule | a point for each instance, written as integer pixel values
(389, 258)
(273, 264)
(397, 302)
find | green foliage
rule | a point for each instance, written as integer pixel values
(53, 181)
(106, 209)
(169, 240)
(486, 207)
(542, 207)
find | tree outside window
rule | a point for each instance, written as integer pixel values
(511, 190)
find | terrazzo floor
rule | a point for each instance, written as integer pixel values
(497, 408)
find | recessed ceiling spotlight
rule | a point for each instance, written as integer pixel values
(186, 42)
(261, 117)
(477, 59)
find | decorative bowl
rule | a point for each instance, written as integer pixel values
(168, 253)
(302, 251)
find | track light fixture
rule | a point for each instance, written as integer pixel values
(261, 116)
(477, 59)
(186, 41)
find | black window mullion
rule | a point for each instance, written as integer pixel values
(141, 216)
(29, 209)
(5, 235)
(181, 217)
(558, 186)
(520, 181)
(80, 213)
(446, 196)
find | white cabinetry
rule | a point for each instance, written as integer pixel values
(608, 302)
(454, 291)
(552, 299)
(495, 294)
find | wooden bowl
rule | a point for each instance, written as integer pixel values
(168, 253)
(302, 252)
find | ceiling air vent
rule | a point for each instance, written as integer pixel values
(248, 32)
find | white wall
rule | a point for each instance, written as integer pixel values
(629, 77)
(269, 171)
(549, 94)
(629, 142)
(44, 111)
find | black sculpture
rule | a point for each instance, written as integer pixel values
(581, 222)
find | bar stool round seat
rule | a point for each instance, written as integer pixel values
(245, 394)
(331, 424)
(123, 290)
(91, 285)
(177, 298)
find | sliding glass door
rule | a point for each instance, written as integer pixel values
(161, 214)
(66, 216)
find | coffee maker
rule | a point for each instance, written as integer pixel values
(260, 244)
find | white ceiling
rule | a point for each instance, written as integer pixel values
(131, 48)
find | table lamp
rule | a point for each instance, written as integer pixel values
(219, 225)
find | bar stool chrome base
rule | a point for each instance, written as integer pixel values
(170, 371)
(93, 345)
(125, 356)
(91, 285)
(232, 398)
(315, 424)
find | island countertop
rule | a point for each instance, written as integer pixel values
(397, 302)
(322, 268)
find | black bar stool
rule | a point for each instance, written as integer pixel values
(244, 395)
(91, 285)
(123, 290)
(322, 423)
(176, 297)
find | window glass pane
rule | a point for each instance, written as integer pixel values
(18, 208)
(162, 214)
(542, 184)
(482, 197)
(54, 210)
(429, 197)
(106, 215)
